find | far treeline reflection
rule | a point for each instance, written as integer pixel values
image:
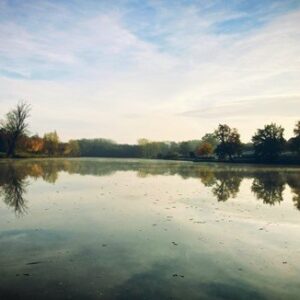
(267, 184)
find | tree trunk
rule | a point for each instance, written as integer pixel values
(11, 148)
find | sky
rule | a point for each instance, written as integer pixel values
(162, 70)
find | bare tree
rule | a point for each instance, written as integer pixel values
(15, 125)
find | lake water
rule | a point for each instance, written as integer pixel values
(142, 229)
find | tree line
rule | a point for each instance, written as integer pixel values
(267, 144)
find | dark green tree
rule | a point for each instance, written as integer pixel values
(294, 142)
(229, 142)
(268, 142)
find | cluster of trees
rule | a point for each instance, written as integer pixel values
(204, 147)
(268, 143)
(14, 137)
(147, 149)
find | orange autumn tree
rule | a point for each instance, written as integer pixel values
(205, 149)
(34, 144)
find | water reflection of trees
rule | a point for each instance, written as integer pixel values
(13, 190)
(224, 181)
(227, 186)
(269, 186)
(293, 181)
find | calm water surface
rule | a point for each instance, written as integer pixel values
(136, 229)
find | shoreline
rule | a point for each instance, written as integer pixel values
(281, 162)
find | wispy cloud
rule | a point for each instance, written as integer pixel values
(276, 106)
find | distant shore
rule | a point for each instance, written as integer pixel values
(252, 161)
(286, 161)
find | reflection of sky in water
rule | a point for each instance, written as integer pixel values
(119, 232)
